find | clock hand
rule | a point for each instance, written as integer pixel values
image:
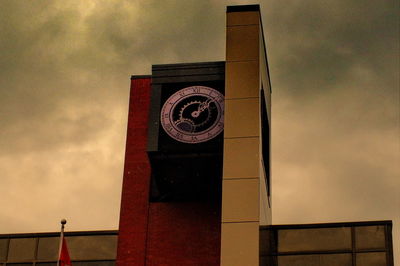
(203, 106)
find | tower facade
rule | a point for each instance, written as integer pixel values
(246, 197)
(196, 183)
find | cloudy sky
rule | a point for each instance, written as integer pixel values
(65, 71)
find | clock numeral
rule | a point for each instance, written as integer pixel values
(168, 127)
(182, 130)
(179, 135)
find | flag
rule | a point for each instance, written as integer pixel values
(64, 259)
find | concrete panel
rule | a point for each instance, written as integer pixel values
(369, 237)
(242, 43)
(242, 118)
(314, 239)
(241, 158)
(242, 79)
(371, 259)
(240, 200)
(316, 260)
(242, 18)
(239, 244)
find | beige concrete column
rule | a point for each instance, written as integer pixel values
(241, 169)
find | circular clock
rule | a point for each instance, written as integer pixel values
(193, 114)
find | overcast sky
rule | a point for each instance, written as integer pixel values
(65, 71)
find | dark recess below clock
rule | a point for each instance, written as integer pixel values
(186, 177)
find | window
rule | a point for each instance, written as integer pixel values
(265, 146)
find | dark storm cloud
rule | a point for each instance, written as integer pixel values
(320, 42)
(64, 83)
(36, 81)
(334, 68)
(58, 58)
(169, 28)
(335, 77)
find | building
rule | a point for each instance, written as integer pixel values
(358, 243)
(355, 243)
(188, 195)
(97, 248)
(196, 187)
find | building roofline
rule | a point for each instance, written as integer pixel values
(55, 234)
(140, 76)
(325, 225)
(242, 8)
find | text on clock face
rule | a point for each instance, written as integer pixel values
(194, 114)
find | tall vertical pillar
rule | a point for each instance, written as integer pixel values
(242, 138)
(136, 182)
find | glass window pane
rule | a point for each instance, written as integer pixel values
(20, 264)
(316, 260)
(48, 248)
(265, 247)
(3, 249)
(94, 263)
(21, 249)
(368, 237)
(92, 247)
(336, 260)
(371, 259)
(314, 239)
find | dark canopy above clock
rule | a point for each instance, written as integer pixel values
(168, 79)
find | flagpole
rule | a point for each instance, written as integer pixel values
(63, 222)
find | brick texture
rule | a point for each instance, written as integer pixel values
(136, 180)
(184, 234)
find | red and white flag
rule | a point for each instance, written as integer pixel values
(63, 254)
(64, 259)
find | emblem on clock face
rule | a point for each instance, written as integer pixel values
(194, 114)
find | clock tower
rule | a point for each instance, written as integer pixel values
(196, 183)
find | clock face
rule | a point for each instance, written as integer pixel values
(194, 114)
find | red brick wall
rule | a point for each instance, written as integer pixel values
(136, 180)
(184, 234)
(175, 234)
